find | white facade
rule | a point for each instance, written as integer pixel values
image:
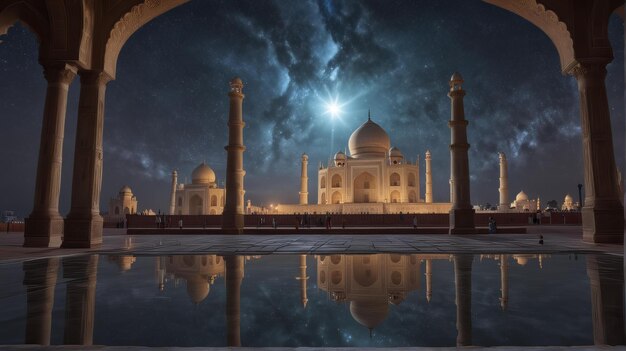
(201, 197)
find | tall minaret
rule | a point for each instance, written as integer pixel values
(429, 179)
(303, 278)
(462, 213)
(173, 194)
(304, 181)
(504, 184)
(429, 280)
(232, 217)
(504, 281)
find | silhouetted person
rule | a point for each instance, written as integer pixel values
(540, 239)
(414, 222)
(492, 226)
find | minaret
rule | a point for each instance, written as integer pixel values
(429, 280)
(173, 194)
(304, 181)
(504, 281)
(504, 184)
(429, 179)
(303, 278)
(462, 213)
(232, 217)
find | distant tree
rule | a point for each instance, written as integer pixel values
(553, 204)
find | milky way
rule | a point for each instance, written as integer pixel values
(168, 106)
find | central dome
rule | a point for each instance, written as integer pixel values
(368, 141)
(203, 174)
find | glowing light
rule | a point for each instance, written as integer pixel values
(333, 109)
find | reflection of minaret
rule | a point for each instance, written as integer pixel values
(80, 298)
(463, 287)
(234, 276)
(173, 193)
(160, 271)
(504, 184)
(504, 281)
(232, 217)
(40, 277)
(429, 179)
(304, 181)
(303, 278)
(429, 280)
(606, 276)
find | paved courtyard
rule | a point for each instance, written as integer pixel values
(556, 239)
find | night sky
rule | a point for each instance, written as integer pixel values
(167, 108)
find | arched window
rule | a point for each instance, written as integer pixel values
(394, 179)
(323, 198)
(323, 182)
(117, 210)
(411, 180)
(395, 196)
(336, 181)
(213, 200)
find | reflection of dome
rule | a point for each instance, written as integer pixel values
(197, 289)
(125, 262)
(521, 260)
(369, 313)
(126, 190)
(369, 140)
(203, 174)
(521, 196)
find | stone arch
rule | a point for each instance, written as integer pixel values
(336, 181)
(411, 179)
(32, 15)
(336, 198)
(394, 179)
(365, 272)
(548, 22)
(394, 196)
(412, 196)
(123, 20)
(336, 277)
(323, 182)
(396, 277)
(365, 188)
(323, 198)
(117, 210)
(195, 205)
(213, 200)
(126, 210)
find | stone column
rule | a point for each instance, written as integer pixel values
(504, 281)
(606, 277)
(504, 184)
(44, 225)
(234, 276)
(83, 225)
(602, 213)
(463, 289)
(429, 280)
(304, 181)
(232, 217)
(80, 299)
(429, 180)
(173, 193)
(303, 278)
(40, 277)
(462, 213)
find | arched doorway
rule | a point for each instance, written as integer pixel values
(195, 205)
(323, 198)
(394, 196)
(365, 188)
(412, 196)
(336, 198)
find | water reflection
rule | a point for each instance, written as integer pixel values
(370, 285)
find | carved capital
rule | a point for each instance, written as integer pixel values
(584, 70)
(59, 73)
(94, 78)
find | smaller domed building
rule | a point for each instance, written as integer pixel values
(125, 203)
(202, 196)
(523, 204)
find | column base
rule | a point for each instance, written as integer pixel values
(43, 231)
(603, 225)
(232, 223)
(503, 208)
(462, 221)
(83, 232)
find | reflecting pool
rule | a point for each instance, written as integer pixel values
(380, 300)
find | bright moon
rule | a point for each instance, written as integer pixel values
(333, 109)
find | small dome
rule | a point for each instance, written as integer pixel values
(203, 174)
(521, 196)
(369, 313)
(394, 151)
(305, 156)
(369, 140)
(456, 77)
(568, 198)
(340, 155)
(236, 81)
(126, 190)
